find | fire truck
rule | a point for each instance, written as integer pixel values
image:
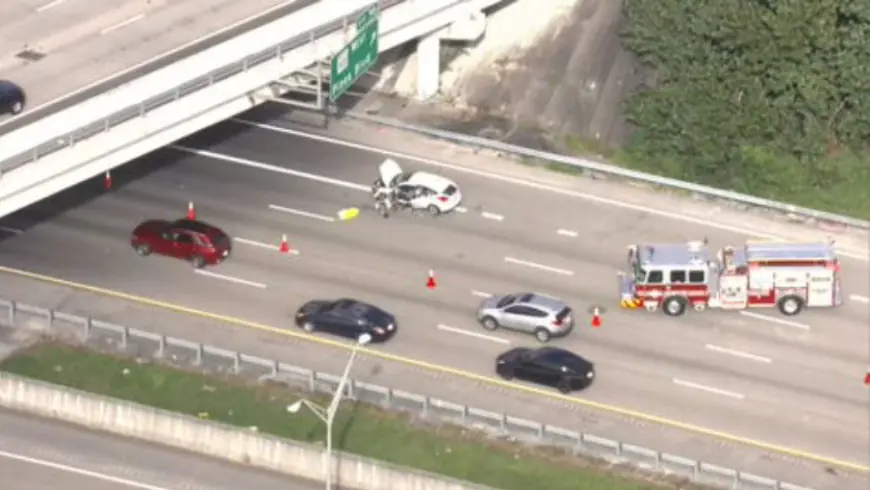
(674, 277)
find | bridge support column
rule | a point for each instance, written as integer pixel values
(428, 65)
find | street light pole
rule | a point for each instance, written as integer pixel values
(328, 415)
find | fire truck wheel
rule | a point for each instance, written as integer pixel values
(790, 305)
(674, 306)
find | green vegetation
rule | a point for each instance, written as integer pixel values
(359, 429)
(761, 97)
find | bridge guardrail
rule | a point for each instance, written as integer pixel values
(593, 167)
(53, 143)
(148, 344)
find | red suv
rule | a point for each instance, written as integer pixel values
(200, 243)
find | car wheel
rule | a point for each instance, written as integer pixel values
(674, 306)
(790, 305)
(433, 210)
(17, 107)
(542, 334)
(308, 327)
(506, 373)
(489, 323)
(564, 386)
(143, 250)
(197, 261)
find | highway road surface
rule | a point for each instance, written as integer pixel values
(55, 48)
(792, 382)
(40, 454)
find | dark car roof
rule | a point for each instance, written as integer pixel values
(364, 311)
(563, 357)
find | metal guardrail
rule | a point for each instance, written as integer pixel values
(614, 171)
(185, 89)
(147, 344)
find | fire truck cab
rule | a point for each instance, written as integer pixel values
(787, 275)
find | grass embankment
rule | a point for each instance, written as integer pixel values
(359, 429)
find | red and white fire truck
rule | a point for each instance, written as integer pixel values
(674, 277)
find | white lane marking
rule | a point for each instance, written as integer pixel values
(535, 265)
(568, 233)
(272, 168)
(267, 246)
(709, 389)
(79, 471)
(492, 216)
(123, 23)
(474, 334)
(534, 185)
(460, 209)
(297, 212)
(778, 321)
(11, 230)
(481, 294)
(859, 299)
(230, 278)
(50, 5)
(737, 353)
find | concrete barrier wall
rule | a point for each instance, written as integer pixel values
(244, 446)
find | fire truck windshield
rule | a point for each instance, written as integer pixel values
(639, 273)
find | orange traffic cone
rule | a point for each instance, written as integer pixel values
(430, 282)
(191, 212)
(596, 318)
(284, 247)
(107, 181)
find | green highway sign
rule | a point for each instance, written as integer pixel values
(357, 57)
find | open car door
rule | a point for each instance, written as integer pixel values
(389, 171)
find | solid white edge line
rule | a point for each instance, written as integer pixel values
(534, 185)
(297, 212)
(123, 23)
(542, 267)
(492, 216)
(481, 294)
(568, 233)
(11, 230)
(236, 280)
(859, 299)
(79, 471)
(778, 321)
(473, 334)
(267, 246)
(737, 353)
(708, 389)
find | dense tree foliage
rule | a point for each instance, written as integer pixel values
(770, 97)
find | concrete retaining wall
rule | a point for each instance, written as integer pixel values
(209, 438)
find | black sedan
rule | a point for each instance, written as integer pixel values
(12, 98)
(547, 366)
(347, 318)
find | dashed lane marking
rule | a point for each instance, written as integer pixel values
(542, 267)
(305, 214)
(236, 280)
(709, 389)
(492, 216)
(476, 335)
(481, 294)
(860, 299)
(568, 233)
(737, 353)
(778, 321)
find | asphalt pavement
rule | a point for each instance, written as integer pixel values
(41, 454)
(794, 382)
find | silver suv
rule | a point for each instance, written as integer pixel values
(543, 316)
